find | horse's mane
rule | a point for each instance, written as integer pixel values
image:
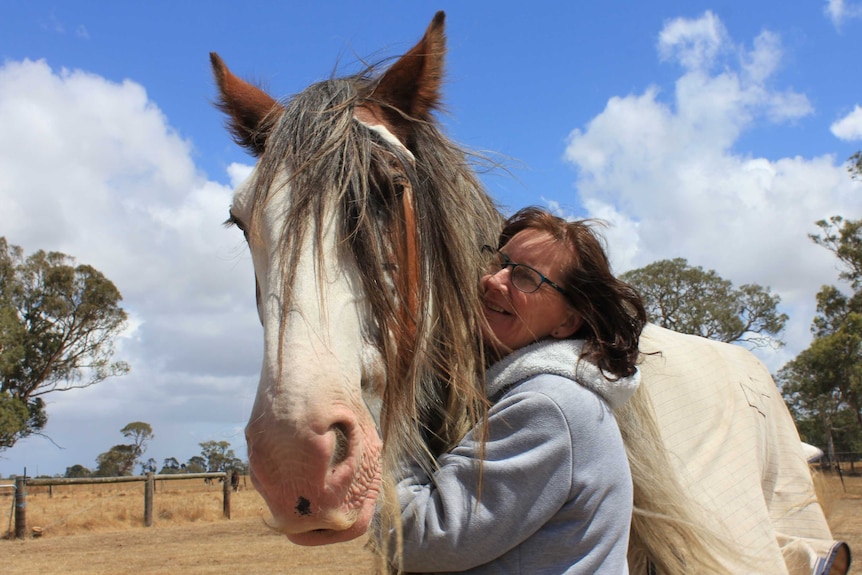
(338, 167)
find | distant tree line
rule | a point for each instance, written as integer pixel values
(121, 459)
(215, 456)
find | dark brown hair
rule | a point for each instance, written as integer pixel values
(612, 311)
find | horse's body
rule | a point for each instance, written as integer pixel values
(736, 448)
(361, 226)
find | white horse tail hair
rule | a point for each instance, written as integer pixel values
(670, 531)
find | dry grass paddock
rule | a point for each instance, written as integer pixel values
(98, 530)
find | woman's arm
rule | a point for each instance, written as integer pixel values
(450, 524)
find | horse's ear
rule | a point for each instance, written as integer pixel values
(250, 110)
(412, 84)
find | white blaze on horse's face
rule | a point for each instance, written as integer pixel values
(313, 446)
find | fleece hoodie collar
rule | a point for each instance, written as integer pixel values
(559, 357)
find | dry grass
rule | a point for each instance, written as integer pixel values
(203, 548)
(98, 530)
(843, 506)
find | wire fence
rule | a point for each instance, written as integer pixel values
(844, 463)
(19, 500)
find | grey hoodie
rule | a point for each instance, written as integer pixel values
(556, 492)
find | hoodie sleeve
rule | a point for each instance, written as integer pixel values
(451, 524)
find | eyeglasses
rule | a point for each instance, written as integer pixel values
(524, 278)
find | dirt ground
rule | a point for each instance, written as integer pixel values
(228, 546)
(246, 545)
(843, 506)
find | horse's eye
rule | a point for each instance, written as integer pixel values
(232, 220)
(399, 183)
(235, 221)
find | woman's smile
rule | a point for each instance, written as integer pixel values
(495, 308)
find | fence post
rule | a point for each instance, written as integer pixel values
(149, 489)
(227, 487)
(20, 507)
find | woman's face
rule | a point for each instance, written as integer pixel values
(517, 318)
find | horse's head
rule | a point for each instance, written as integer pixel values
(364, 224)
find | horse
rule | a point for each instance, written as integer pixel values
(364, 223)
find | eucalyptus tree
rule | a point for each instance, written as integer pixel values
(689, 299)
(58, 322)
(823, 384)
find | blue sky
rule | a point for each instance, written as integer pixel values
(703, 130)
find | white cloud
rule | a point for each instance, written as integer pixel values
(238, 173)
(850, 126)
(669, 173)
(93, 169)
(764, 59)
(840, 11)
(693, 43)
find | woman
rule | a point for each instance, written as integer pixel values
(546, 488)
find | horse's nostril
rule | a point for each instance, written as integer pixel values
(303, 506)
(342, 445)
